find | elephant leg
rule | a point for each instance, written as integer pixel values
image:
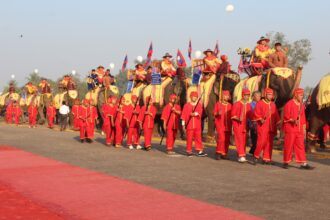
(313, 135)
(42, 117)
(210, 128)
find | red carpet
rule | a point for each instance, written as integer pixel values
(53, 190)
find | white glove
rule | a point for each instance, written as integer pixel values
(183, 123)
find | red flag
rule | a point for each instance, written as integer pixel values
(216, 49)
(123, 68)
(149, 55)
(240, 66)
(189, 50)
(180, 59)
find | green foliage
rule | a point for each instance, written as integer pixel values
(299, 51)
(121, 81)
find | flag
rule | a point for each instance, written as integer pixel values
(123, 68)
(240, 66)
(189, 50)
(216, 49)
(149, 55)
(180, 59)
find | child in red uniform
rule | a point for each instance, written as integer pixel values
(170, 117)
(222, 115)
(294, 125)
(120, 123)
(108, 112)
(241, 111)
(51, 114)
(131, 116)
(192, 121)
(146, 120)
(86, 122)
(267, 118)
(9, 113)
(33, 113)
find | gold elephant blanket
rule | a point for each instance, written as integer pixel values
(323, 95)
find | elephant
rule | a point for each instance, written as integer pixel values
(44, 101)
(317, 116)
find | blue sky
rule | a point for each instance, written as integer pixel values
(59, 36)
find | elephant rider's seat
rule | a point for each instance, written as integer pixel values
(323, 95)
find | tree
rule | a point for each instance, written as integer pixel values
(121, 81)
(17, 89)
(299, 52)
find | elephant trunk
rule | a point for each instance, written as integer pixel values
(297, 80)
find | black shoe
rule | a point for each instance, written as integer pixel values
(224, 157)
(306, 167)
(147, 148)
(266, 162)
(189, 155)
(217, 156)
(82, 140)
(89, 140)
(285, 166)
(255, 161)
(201, 154)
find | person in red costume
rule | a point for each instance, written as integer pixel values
(120, 123)
(222, 115)
(108, 113)
(86, 118)
(240, 113)
(131, 115)
(9, 113)
(17, 112)
(146, 120)
(33, 113)
(294, 125)
(267, 118)
(192, 121)
(211, 62)
(170, 116)
(51, 114)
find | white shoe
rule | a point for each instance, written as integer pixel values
(130, 147)
(138, 147)
(242, 160)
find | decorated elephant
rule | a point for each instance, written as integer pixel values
(318, 113)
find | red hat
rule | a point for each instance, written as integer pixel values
(268, 91)
(224, 58)
(173, 96)
(134, 97)
(246, 92)
(225, 92)
(193, 94)
(298, 91)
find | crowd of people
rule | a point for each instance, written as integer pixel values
(120, 120)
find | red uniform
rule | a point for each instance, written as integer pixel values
(326, 132)
(108, 113)
(131, 117)
(51, 114)
(239, 114)
(267, 130)
(222, 113)
(94, 116)
(33, 113)
(148, 123)
(9, 113)
(75, 111)
(17, 112)
(171, 119)
(86, 123)
(194, 127)
(294, 123)
(120, 125)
